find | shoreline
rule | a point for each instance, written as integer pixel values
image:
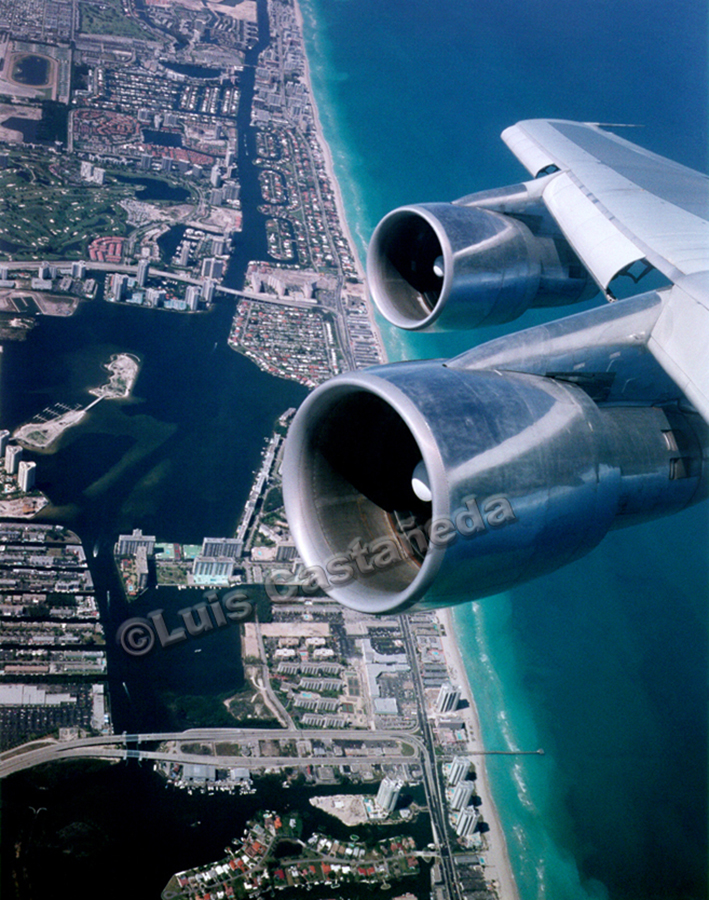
(497, 859)
(327, 153)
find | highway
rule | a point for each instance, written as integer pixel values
(27, 265)
(435, 793)
(117, 746)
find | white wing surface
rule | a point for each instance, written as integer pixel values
(618, 203)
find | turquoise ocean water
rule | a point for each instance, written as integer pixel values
(603, 664)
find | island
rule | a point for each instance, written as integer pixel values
(48, 426)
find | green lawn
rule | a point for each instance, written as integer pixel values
(107, 17)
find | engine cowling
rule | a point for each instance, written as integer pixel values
(419, 484)
(445, 265)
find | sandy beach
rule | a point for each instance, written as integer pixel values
(497, 861)
(327, 153)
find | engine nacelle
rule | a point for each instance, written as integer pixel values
(447, 265)
(419, 484)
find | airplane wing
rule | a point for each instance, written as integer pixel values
(617, 204)
(440, 481)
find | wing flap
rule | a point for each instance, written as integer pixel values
(680, 340)
(596, 240)
(533, 157)
(649, 202)
(617, 203)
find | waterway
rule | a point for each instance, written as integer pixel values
(162, 138)
(193, 71)
(117, 831)
(176, 459)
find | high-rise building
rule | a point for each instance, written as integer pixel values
(212, 268)
(218, 246)
(215, 177)
(192, 295)
(216, 196)
(26, 475)
(286, 552)
(460, 766)
(184, 256)
(142, 274)
(448, 698)
(146, 162)
(4, 438)
(13, 455)
(467, 821)
(212, 569)
(388, 794)
(229, 547)
(128, 544)
(461, 794)
(142, 569)
(78, 269)
(229, 157)
(208, 288)
(119, 284)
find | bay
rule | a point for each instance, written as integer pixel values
(177, 458)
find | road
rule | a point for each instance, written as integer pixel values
(435, 793)
(116, 746)
(269, 693)
(28, 265)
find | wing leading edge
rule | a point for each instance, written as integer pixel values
(618, 203)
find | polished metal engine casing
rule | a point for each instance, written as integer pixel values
(526, 473)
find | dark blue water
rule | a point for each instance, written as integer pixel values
(117, 831)
(162, 138)
(32, 70)
(169, 241)
(154, 188)
(177, 458)
(193, 71)
(603, 664)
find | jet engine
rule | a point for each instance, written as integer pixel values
(424, 483)
(482, 260)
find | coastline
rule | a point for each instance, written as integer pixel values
(497, 862)
(327, 153)
(498, 867)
